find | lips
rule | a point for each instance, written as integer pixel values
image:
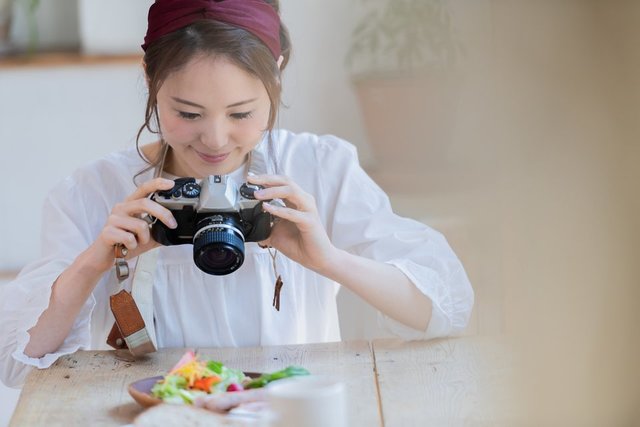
(213, 158)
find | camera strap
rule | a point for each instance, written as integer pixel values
(133, 312)
(134, 327)
(257, 166)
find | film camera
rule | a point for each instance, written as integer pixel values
(217, 216)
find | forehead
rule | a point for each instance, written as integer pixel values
(207, 77)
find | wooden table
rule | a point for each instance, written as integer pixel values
(458, 381)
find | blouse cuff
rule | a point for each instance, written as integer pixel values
(449, 313)
(36, 300)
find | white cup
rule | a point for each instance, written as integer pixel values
(307, 401)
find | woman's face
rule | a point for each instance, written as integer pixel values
(212, 114)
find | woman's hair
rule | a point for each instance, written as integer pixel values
(172, 52)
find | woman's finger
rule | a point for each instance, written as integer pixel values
(269, 180)
(137, 226)
(293, 196)
(282, 187)
(293, 215)
(151, 186)
(114, 235)
(146, 206)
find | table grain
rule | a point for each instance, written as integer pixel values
(446, 382)
(89, 388)
(456, 381)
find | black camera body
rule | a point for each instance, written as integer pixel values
(217, 216)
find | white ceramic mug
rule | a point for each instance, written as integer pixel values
(308, 401)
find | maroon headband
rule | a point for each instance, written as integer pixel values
(256, 16)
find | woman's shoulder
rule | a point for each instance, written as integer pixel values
(124, 161)
(296, 147)
(310, 141)
(111, 173)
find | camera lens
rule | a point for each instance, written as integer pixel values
(218, 244)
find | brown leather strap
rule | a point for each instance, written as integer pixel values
(115, 338)
(129, 329)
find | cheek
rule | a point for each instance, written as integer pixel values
(249, 133)
(176, 130)
(258, 123)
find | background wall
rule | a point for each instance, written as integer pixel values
(535, 187)
(57, 119)
(53, 120)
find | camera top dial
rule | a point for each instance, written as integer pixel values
(247, 190)
(183, 187)
(191, 190)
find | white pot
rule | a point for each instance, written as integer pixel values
(113, 27)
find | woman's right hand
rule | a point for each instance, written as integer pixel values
(125, 225)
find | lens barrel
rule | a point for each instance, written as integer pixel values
(218, 245)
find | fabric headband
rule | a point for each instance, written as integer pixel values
(256, 16)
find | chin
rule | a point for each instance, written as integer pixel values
(198, 168)
(204, 170)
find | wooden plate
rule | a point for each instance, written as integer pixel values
(141, 389)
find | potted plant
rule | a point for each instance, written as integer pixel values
(32, 22)
(402, 57)
(5, 25)
(26, 9)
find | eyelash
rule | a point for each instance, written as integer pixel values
(242, 116)
(188, 116)
(237, 116)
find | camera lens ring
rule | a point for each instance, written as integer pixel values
(217, 226)
(218, 245)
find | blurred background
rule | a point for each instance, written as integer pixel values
(509, 125)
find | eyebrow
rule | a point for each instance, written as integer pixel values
(193, 104)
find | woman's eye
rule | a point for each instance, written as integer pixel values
(188, 116)
(240, 116)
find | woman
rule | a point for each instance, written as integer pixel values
(213, 70)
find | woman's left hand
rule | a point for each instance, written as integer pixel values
(299, 234)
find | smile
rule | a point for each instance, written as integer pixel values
(213, 159)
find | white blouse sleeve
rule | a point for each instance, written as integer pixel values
(361, 221)
(66, 231)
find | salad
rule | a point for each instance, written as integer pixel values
(192, 377)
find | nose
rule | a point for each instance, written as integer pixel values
(215, 134)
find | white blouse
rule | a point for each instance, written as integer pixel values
(194, 309)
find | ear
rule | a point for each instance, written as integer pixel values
(280, 59)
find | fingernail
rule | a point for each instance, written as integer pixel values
(173, 223)
(258, 193)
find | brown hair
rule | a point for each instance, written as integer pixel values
(173, 51)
